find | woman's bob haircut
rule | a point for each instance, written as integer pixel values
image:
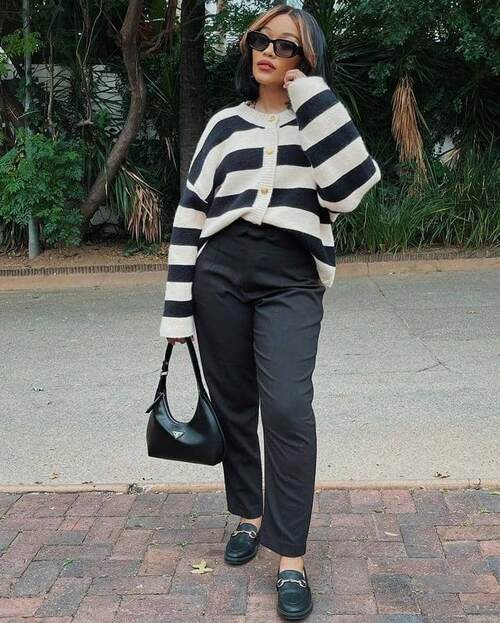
(314, 61)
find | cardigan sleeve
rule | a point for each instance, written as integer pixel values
(189, 219)
(341, 165)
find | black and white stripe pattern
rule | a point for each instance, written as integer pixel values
(297, 169)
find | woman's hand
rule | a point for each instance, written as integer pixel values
(291, 75)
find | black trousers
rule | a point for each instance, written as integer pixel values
(258, 306)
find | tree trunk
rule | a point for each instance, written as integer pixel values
(129, 35)
(193, 75)
(11, 113)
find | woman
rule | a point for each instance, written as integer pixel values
(251, 255)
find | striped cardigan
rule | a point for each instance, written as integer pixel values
(297, 169)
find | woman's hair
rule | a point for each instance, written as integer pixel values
(314, 61)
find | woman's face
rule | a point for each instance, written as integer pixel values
(280, 27)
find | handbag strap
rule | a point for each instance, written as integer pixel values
(162, 387)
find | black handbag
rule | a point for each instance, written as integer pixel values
(201, 440)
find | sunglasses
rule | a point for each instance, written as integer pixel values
(282, 47)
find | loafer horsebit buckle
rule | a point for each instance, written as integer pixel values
(281, 581)
(252, 533)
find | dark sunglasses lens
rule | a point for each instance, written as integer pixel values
(284, 48)
(257, 40)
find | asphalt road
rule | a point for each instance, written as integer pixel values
(407, 381)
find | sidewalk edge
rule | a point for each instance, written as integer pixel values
(131, 488)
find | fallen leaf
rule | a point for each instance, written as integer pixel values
(201, 567)
(440, 475)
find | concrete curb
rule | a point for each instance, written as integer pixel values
(157, 277)
(354, 258)
(196, 487)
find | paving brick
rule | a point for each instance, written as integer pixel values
(209, 502)
(493, 563)
(160, 559)
(263, 604)
(320, 520)
(365, 500)
(490, 548)
(350, 575)
(67, 537)
(42, 504)
(21, 551)
(5, 586)
(421, 542)
(188, 535)
(437, 518)
(159, 522)
(116, 505)
(350, 520)
(488, 501)
(93, 551)
(149, 607)
(407, 566)
(352, 604)
(484, 519)
(465, 557)
(384, 527)
(38, 578)
(37, 620)
(378, 618)
(461, 549)
(25, 523)
(86, 504)
(429, 501)
(228, 597)
(345, 533)
(480, 603)
(105, 530)
(130, 585)
(131, 544)
(178, 504)
(19, 606)
(6, 538)
(468, 533)
(372, 549)
(6, 501)
(334, 502)
(97, 608)
(398, 501)
(147, 504)
(440, 605)
(213, 520)
(64, 597)
(393, 594)
(467, 501)
(441, 583)
(98, 568)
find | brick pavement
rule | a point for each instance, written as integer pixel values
(374, 556)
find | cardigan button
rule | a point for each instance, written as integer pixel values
(272, 117)
(264, 190)
(269, 150)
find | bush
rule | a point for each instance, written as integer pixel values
(41, 178)
(455, 205)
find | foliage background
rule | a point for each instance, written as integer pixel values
(448, 50)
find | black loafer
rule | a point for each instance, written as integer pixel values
(294, 594)
(243, 544)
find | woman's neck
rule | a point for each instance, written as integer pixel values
(271, 102)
